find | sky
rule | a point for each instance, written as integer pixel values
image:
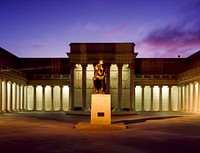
(45, 28)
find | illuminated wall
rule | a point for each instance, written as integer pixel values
(48, 103)
(39, 98)
(138, 98)
(65, 98)
(78, 86)
(56, 99)
(165, 98)
(114, 85)
(89, 84)
(147, 98)
(125, 86)
(30, 97)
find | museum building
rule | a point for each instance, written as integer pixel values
(63, 84)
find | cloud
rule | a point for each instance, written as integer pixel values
(173, 39)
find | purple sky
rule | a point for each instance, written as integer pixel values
(45, 28)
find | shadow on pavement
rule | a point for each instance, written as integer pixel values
(128, 122)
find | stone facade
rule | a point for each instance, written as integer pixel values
(62, 84)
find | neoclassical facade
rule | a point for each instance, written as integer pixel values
(62, 84)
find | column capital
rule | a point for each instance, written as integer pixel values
(84, 65)
(119, 65)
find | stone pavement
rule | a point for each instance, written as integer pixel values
(147, 132)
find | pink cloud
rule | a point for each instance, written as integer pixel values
(171, 41)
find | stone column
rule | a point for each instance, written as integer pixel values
(16, 97)
(189, 102)
(151, 108)
(142, 97)
(84, 66)
(23, 108)
(71, 104)
(185, 95)
(160, 98)
(181, 107)
(43, 97)
(198, 107)
(119, 85)
(11, 97)
(0, 95)
(61, 98)
(132, 88)
(194, 98)
(34, 98)
(26, 98)
(170, 99)
(6, 96)
(108, 78)
(20, 97)
(52, 98)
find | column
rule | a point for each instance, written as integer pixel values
(185, 95)
(11, 97)
(84, 66)
(181, 107)
(170, 99)
(52, 98)
(189, 102)
(160, 98)
(119, 85)
(132, 88)
(198, 103)
(194, 98)
(61, 98)
(108, 79)
(0, 95)
(23, 108)
(19, 97)
(71, 103)
(15, 97)
(6, 96)
(26, 98)
(34, 98)
(151, 107)
(43, 98)
(142, 97)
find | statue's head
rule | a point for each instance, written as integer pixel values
(101, 62)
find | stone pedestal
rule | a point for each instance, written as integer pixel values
(101, 109)
(100, 115)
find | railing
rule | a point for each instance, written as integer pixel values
(48, 76)
(190, 73)
(156, 76)
(7, 70)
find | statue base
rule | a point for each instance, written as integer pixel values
(100, 115)
(101, 109)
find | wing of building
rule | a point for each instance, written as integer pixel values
(62, 84)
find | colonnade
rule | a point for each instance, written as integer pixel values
(20, 97)
(83, 85)
(12, 96)
(190, 97)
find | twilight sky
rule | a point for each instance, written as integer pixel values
(45, 28)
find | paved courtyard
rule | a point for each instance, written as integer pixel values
(47, 132)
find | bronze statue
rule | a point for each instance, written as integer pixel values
(100, 73)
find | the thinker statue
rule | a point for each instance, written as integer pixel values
(100, 73)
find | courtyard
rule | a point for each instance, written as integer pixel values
(53, 132)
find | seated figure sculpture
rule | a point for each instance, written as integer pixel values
(100, 73)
